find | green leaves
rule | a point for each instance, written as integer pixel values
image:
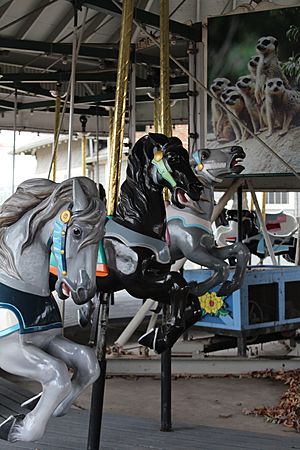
(293, 33)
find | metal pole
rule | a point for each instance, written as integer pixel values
(132, 105)
(83, 120)
(156, 108)
(165, 109)
(120, 106)
(14, 142)
(166, 383)
(72, 91)
(99, 385)
(240, 213)
(166, 128)
(97, 151)
(262, 224)
(56, 129)
(114, 181)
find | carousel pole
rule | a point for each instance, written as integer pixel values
(156, 110)
(132, 104)
(57, 95)
(83, 121)
(116, 149)
(97, 178)
(14, 141)
(72, 89)
(166, 128)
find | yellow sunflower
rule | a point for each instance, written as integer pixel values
(211, 303)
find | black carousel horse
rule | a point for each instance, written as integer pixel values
(135, 244)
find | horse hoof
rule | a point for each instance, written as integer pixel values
(8, 424)
(31, 403)
(154, 339)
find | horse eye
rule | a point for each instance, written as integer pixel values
(204, 155)
(270, 84)
(247, 80)
(77, 232)
(279, 83)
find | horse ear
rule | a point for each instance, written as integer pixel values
(80, 202)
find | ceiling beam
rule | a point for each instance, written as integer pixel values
(104, 98)
(81, 77)
(58, 48)
(60, 26)
(88, 50)
(192, 32)
(50, 77)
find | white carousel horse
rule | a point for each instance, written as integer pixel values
(69, 219)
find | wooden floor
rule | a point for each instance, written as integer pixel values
(132, 433)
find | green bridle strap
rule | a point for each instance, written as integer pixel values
(163, 171)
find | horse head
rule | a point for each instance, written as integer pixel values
(77, 233)
(211, 165)
(170, 168)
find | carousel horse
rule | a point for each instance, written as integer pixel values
(69, 219)
(135, 241)
(191, 237)
(281, 228)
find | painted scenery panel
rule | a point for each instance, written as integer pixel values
(254, 70)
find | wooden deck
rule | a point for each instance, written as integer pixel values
(132, 433)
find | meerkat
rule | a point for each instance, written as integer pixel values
(234, 124)
(282, 105)
(252, 65)
(268, 65)
(246, 87)
(219, 119)
(236, 104)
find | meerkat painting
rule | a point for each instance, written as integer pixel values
(220, 123)
(282, 105)
(235, 102)
(234, 123)
(246, 87)
(268, 65)
(252, 65)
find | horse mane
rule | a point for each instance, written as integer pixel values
(43, 199)
(136, 188)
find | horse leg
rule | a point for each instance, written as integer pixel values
(241, 253)
(170, 288)
(82, 360)
(30, 361)
(206, 258)
(160, 340)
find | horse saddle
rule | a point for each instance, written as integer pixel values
(132, 238)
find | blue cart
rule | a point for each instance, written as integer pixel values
(267, 303)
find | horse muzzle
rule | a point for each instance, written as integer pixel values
(81, 291)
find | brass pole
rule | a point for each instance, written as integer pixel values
(165, 109)
(156, 107)
(56, 132)
(120, 106)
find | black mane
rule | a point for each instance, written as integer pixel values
(141, 205)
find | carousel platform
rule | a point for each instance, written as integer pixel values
(123, 432)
